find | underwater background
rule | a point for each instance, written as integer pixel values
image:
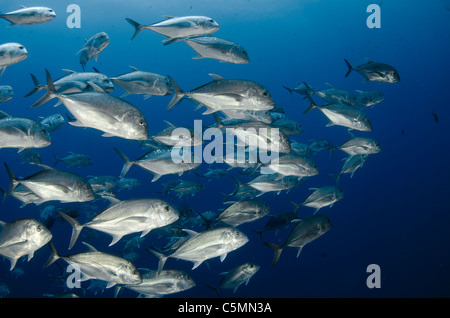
(395, 210)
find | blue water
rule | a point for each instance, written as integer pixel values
(395, 210)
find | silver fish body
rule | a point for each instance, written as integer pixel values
(11, 53)
(360, 146)
(242, 212)
(237, 276)
(92, 48)
(6, 93)
(375, 71)
(322, 197)
(30, 15)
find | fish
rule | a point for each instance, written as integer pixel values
(11, 53)
(270, 183)
(51, 184)
(205, 245)
(52, 122)
(343, 115)
(102, 183)
(242, 212)
(304, 232)
(29, 15)
(174, 28)
(99, 110)
(249, 115)
(319, 145)
(24, 195)
(322, 197)
(126, 217)
(184, 188)
(30, 156)
(160, 162)
(178, 136)
(277, 222)
(166, 282)
(22, 133)
(352, 163)
(74, 159)
(213, 173)
(294, 165)
(369, 98)
(6, 93)
(223, 94)
(210, 47)
(360, 146)
(127, 183)
(288, 126)
(333, 95)
(301, 88)
(300, 148)
(375, 71)
(143, 83)
(22, 237)
(72, 83)
(94, 264)
(92, 48)
(236, 277)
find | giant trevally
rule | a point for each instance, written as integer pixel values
(334, 95)
(242, 212)
(92, 48)
(22, 133)
(6, 93)
(360, 146)
(52, 122)
(99, 265)
(99, 110)
(29, 15)
(375, 71)
(160, 162)
(277, 221)
(210, 47)
(249, 115)
(71, 83)
(74, 159)
(221, 94)
(369, 98)
(236, 277)
(143, 83)
(343, 115)
(178, 136)
(166, 282)
(352, 163)
(288, 126)
(322, 197)
(270, 183)
(293, 165)
(304, 232)
(52, 184)
(202, 246)
(126, 217)
(301, 88)
(178, 27)
(11, 53)
(22, 237)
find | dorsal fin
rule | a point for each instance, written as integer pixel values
(216, 77)
(90, 247)
(133, 68)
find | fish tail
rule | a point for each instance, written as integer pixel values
(161, 258)
(296, 205)
(277, 249)
(37, 86)
(51, 92)
(219, 123)
(14, 182)
(179, 94)
(350, 68)
(312, 105)
(53, 257)
(77, 227)
(216, 289)
(238, 185)
(290, 90)
(310, 89)
(127, 165)
(259, 233)
(56, 160)
(137, 27)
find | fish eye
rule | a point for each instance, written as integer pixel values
(141, 122)
(166, 208)
(265, 93)
(211, 20)
(21, 47)
(43, 131)
(38, 228)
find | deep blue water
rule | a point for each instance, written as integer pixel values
(395, 209)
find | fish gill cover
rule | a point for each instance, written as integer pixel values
(130, 186)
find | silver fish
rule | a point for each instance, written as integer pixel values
(22, 133)
(6, 93)
(166, 282)
(360, 146)
(126, 217)
(304, 232)
(276, 222)
(30, 15)
(22, 237)
(288, 126)
(26, 196)
(185, 188)
(213, 174)
(52, 122)
(30, 156)
(143, 83)
(74, 159)
(249, 115)
(375, 71)
(322, 197)
(222, 94)
(369, 98)
(242, 212)
(11, 53)
(178, 27)
(294, 165)
(51, 184)
(99, 110)
(99, 265)
(352, 163)
(202, 246)
(333, 95)
(237, 276)
(343, 115)
(178, 136)
(301, 88)
(271, 183)
(218, 49)
(159, 162)
(319, 145)
(92, 48)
